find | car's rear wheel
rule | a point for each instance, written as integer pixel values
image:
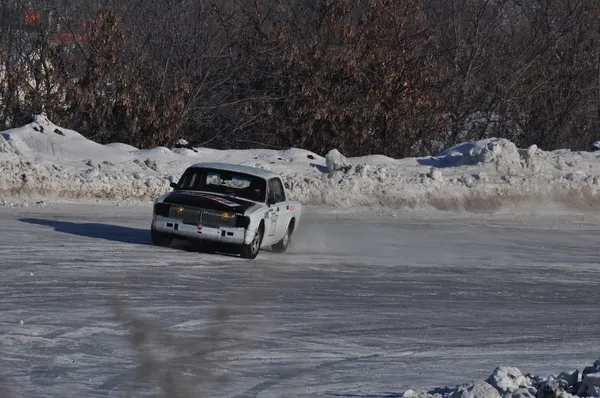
(251, 250)
(282, 245)
(160, 238)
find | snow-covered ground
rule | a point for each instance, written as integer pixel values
(361, 306)
(382, 295)
(44, 162)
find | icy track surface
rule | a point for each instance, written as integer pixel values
(361, 306)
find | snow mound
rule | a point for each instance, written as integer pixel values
(5, 146)
(499, 154)
(590, 386)
(499, 151)
(45, 141)
(595, 368)
(524, 393)
(121, 147)
(42, 161)
(336, 161)
(509, 382)
(184, 151)
(507, 379)
(479, 389)
(572, 378)
(553, 388)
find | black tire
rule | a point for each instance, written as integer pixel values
(251, 251)
(207, 247)
(160, 238)
(283, 244)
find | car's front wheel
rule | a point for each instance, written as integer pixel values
(160, 238)
(250, 251)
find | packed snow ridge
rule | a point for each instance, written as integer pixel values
(508, 382)
(42, 161)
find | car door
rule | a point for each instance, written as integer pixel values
(277, 211)
(283, 212)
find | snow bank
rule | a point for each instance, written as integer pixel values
(508, 382)
(42, 161)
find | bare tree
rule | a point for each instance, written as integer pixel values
(401, 77)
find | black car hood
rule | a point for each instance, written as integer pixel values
(208, 200)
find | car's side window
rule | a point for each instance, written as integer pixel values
(276, 193)
(189, 180)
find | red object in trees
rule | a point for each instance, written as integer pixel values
(32, 17)
(63, 38)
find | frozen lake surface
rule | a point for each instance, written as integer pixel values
(360, 306)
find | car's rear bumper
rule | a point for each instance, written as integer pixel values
(176, 228)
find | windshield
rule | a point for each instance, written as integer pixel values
(224, 182)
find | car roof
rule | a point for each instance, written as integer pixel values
(237, 168)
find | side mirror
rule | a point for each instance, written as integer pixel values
(173, 184)
(271, 201)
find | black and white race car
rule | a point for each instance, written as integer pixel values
(226, 203)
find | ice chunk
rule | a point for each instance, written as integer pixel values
(479, 389)
(507, 379)
(336, 161)
(590, 387)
